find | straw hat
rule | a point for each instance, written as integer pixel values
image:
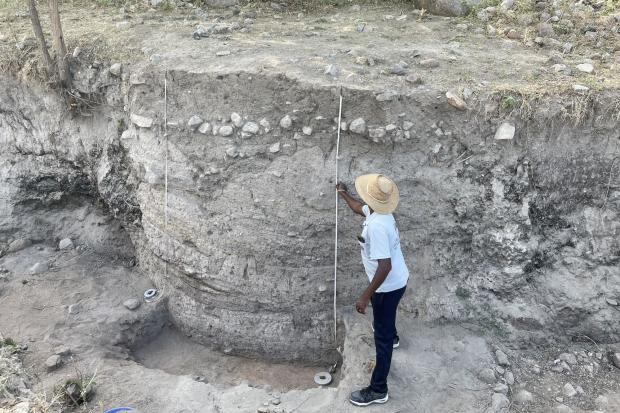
(378, 191)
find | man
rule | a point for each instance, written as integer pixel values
(386, 269)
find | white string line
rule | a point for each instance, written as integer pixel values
(336, 232)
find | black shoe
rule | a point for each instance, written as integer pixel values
(367, 396)
(396, 343)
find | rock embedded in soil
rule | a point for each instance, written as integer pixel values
(115, 69)
(132, 304)
(307, 130)
(615, 359)
(568, 390)
(414, 78)
(429, 63)
(286, 122)
(19, 244)
(74, 309)
(455, 101)
(194, 122)
(487, 375)
(510, 378)
(251, 128)
(53, 362)
(502, 358)
(275, 148)
(65, 244)
(205, 128)
(499, 402)
(226, 130)
(523, 396)
(585, 67)
(358, 126)
(141, 121)
(506, 131)
(570, 358)
(236, 119)
(38, 268)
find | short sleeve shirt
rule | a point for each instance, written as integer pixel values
(381, 240)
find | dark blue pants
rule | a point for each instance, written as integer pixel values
(384, 307)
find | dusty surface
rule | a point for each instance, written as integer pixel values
(518, 235)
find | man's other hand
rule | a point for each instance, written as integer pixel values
(340, 187)
(361, 304)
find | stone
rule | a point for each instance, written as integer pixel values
(62, 351)
(447, 7)
(53, 362)
(19, 244)
(407, 125)
(398, 70)
(501, 388)
(585, 67)
(568, 390)
(286, 122)
(222, 53)
(132, 304)
(390, 128)
(611, 301)
(115, 69)
(545, 29)
(580, 88)
(429, 63)
(570, 358)
(38, 268)
(275, 401)
(514, 34)
(124, 25)
(615, 359)
(567, 47)
(232, 152)
(386, 96)
(499, 402)
(65, 244)
(332, 70)
(194, 122)
(251, 128)
(455, 101)
(487, 375)
(358, 126)
(523, 396)
(236, 119)
(74, 309)
(307, 130)
(506, 131)
(376, 133)
(414, 78)
(275, 148)
(226, 130)
(265, 124)
(502, 358)
(262, 409)
(156, 58)
(204, 128)
(141, 121)
(510, 378)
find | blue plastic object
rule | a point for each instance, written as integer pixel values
(119, 409)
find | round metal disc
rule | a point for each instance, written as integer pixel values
(323, 378)
(150, 294)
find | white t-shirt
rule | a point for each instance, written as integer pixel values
(381, 240)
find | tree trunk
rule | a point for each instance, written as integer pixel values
(59, 45)
(38, 32)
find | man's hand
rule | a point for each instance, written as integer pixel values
(340, 187)
(362, 303)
